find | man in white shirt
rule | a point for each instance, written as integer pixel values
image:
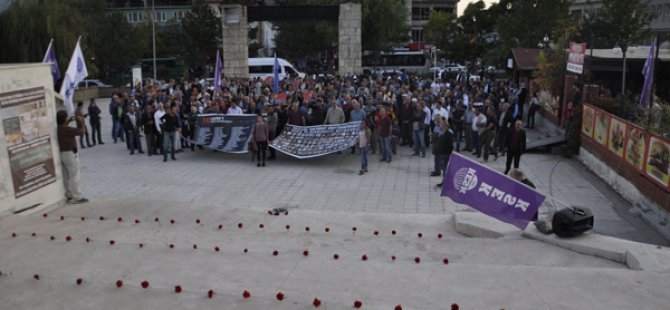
(159, 131)
(234, 109)
(426, 122)
(478, 125)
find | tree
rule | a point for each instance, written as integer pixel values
(202, 36)
(618, 22)
(446, 33)
(384, 25)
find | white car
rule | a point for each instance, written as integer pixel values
(262, 67)
(92, 83)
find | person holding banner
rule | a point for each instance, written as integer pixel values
(260, 136)
(364, 137)
(516, 145)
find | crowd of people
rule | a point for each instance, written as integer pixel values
(482, 117)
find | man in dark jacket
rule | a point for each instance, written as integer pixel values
(149, 124)
(505, 124)
(94, 120)
(445, 147)
(131, 124)
(516, 145)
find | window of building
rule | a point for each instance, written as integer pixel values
(417, 35)
(667, 9)
(420, 13)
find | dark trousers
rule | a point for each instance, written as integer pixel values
(82, 137)
(407, 133)
(458, 135)
(273, 153)
(159, 142)
(95, 130)
(426, 136)
(500, 139)
(476, 144)
(133, 141)
(512, 155)
(150, 138)
(530, 122)
(260, 153)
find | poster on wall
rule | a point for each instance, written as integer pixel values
(617, 134)
(314, 141)
(636, 145)
(224, 133)
(658, 161)
(601, 126)
(26, 123)
(587, 121)
(576, 54)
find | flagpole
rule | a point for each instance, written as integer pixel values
(651, 96)
(48, 49)
(153, 33)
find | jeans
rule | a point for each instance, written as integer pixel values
(117, 132)
(419, 142)
(468, 137)
(487, 139)
(458, 135)
(512, 155)
(476, 144)
(95, 130)
(260, 153)
(134, 140)
(168, 141)
(386, 145)
(364, 158)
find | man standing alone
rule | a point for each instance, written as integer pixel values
(67, 144)
(170, 126)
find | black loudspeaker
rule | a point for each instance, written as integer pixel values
(571, 222)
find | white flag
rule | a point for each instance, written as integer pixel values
(76, 72)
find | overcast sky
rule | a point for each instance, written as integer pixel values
(464, 3)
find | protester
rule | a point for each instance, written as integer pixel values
(488, 134)
(533, 106)
(385, 134)
(516, 145)
(148, 123)
(335, 114)
(94, 120)
(131, 124)
(169, 128)
(364, 136)
(418, 118)
(80, 112)
(158, 115)
(260, 136)
(69, 159)
(445, 147)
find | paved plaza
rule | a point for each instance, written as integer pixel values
(385, 238)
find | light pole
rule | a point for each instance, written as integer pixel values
(153, 33)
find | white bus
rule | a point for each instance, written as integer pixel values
(415, 62)
(262, 67)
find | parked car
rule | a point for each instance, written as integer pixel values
(92, 83)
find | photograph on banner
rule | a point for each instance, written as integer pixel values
(225, 133)
(27, 127)
(576, 54)
(587, 121)
(314, 141)
(658, 161)
(601, 127)
(490, 192)
(636, 146)
(617, 134)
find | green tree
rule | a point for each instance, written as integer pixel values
(618, 22)
(293, 42)
(202, 36)
(384, 24)
(444, 30)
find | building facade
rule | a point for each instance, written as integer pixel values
(660, 24)
(419, 13)
(139, 11)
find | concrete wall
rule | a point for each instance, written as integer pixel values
(21, 77)
(350, 52)
(235, 41)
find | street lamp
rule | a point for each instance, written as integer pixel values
(623, 49)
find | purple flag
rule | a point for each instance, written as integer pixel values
(217, 72)
(50, 57)
(648, 72)
(490, 192)
(275, 76)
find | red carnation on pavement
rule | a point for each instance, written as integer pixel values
(45, 215)
(83, 218)
(327, 229)
(240, 225)
(197, 221)
(246, 250)
(316, 303)
(145, 284)
(307, 228)
(454, 307)
(420, 235)
(305, 253)
(286, 213)
(52, 238)
(393, 257)
(177, 289)
(398, 307)
(88, 239)
(62, 218)
(336, 257)
(269, 212)
(172, 221)
(216, 249)
(445, 261)
(137, 221)
(120, 219)
(119, 283)
(34, 234)
(393, 232)
(220, 226)
(141, 245)
(261, 226)
(365, 257)
(171, 246)
(195, 246)
(156, 220)
(288, 227)
(439, 236)
(111, 242)
(246, 294)
(275, 253)
(68, 238)
(36, 277)
(80, 281)
(102, 218)
(417, 259)
(358, 304)
(353, 228)
(280, 296)
(210, 293)
(13, 235)
(376, 233)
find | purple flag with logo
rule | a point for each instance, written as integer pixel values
(275, 76)
(648, 72)
(217, 72)
(490, 192)
(50, 57)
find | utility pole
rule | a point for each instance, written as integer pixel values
(153, 33)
